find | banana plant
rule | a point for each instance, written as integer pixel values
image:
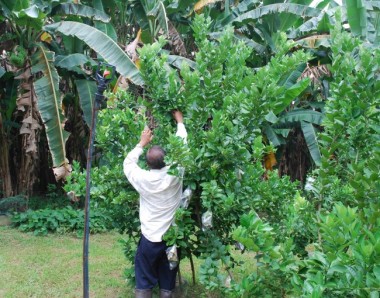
(305, 119)
(38, 102)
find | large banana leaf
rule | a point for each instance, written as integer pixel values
(103, 45)
(311, 141)
(299, 115)
(49, 105)
(81, 10)
(86, 90)
(296, 9)
(288, 20)
(321, 24)
(106, 28)
(356, 16)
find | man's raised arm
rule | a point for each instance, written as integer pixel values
(130, 166)
(181, 130)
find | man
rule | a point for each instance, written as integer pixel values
(160, 195)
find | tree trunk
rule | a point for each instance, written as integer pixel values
(5, 174)
(27, 171)
(295, 160)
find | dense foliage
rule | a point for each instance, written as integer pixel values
(225, 105)
(246, 93)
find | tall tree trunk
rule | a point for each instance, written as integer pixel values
(295, 160)
(5, 174)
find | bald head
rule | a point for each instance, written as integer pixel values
(155, 158)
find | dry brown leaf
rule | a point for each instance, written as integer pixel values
(24, 100)
(25, 75)
(177, 42)
(131, 48)
(63, 171)
(31, 147)
(28, 120)
(25, 130)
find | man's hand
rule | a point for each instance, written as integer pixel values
(177, 115)
(146, 137)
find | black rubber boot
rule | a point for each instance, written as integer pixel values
(143, 293)
(166, 294)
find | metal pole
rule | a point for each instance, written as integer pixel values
(99, 97)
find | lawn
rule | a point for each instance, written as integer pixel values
(51, 266)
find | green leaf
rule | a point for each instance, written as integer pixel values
(7, 6)
(17, 5)
(49, 104)
(320, 24)
(324, 24)
(108, 28)
(376, 271)
(289, 95)
(72, 60)
(289, 79)
(31, 17)
(311, 141)
(356, 16)
(272, 136)
(296, 9)
(302, 115)
(177, 61)
(2, 71)
(159, 13)
(271, 117)
(337, 268)
(86, 90)
(103, 45)
(81, 10)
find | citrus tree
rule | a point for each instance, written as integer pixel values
(225, 103)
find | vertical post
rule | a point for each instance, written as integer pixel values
(99, 97)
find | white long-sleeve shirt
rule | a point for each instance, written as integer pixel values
(160, 193)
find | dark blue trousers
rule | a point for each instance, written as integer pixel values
(152, 266)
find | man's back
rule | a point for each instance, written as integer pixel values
(160, 195)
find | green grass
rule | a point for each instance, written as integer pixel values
(51, 266)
